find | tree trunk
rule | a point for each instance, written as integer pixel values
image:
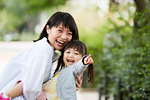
(140, 6)
(120, 95)
(130, 92)
(100, 93)
(106, 85)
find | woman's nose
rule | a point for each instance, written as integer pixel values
(64, 36)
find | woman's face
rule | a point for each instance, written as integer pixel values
(58, 36)
(71, 56)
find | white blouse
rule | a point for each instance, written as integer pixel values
(32, 66)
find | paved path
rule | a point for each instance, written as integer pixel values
(10, 49)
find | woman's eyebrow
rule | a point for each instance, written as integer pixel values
(61, 27)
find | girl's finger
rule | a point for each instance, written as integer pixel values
(88, 56)
(91, 61)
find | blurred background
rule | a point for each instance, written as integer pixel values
(116, 32)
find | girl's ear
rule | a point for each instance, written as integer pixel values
(47, 29)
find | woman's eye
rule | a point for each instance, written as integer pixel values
(69, 33)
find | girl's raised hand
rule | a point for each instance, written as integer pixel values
(88, 60)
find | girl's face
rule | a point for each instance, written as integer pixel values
(71, 56)
(58, 36)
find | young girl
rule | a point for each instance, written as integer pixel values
(75, 61)
(32, 66)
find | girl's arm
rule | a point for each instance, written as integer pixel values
(15, 91)
(81, 65)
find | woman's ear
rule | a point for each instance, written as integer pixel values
(47, 29)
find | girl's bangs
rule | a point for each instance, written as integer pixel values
(77, 45)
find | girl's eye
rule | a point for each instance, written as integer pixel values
(59, 30)
(76, 53)
(67, 52)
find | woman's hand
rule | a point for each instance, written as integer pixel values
(79, 83)
(42, 96)
(88, 60)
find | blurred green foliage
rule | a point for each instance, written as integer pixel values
(123, 55)
(15, 15)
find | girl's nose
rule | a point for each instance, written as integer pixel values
(70, 55)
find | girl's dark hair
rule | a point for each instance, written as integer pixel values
(81, 48)
(57, 18)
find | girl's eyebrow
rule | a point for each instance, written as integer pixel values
(76, 50)
(67, 50)
(60, 27)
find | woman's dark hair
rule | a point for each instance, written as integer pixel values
(57, 18)
(81, 48)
